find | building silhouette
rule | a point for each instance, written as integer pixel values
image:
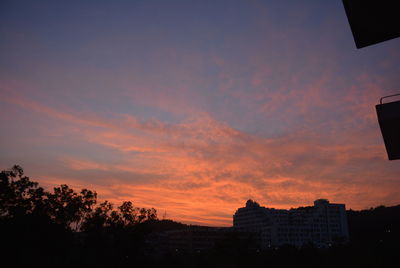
(197, 239)
(321, 225)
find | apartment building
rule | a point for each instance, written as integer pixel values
(322, 225)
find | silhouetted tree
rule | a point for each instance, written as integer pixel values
(65, 228)
(152, 214)
(46, 227)
(70, 208)
(75, 211)
(18, 195)
(128, 213)
(99, 218)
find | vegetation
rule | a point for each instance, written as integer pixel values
(21, 197)
(65, 228)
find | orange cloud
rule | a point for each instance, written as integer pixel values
(201, 170)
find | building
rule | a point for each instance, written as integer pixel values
(193, 239)
(321, 225)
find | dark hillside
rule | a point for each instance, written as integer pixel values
(375, 225)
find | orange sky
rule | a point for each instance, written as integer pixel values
(194, 108)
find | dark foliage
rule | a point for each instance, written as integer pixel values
(65, 228)
(382, 224)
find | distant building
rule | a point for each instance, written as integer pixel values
(322, 225)
(200, 238)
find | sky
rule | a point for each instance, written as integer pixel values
(194, 107)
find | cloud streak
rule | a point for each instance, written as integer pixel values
(197, 108)
(202, 165)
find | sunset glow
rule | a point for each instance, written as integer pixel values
(194, 107)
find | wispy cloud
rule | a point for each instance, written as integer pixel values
(202, 165)
(194, 112)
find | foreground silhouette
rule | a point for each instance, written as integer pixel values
(65, 228)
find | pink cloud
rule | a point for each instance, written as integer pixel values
(201, 168)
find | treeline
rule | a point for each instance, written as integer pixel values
(374, 226)
(65, 228)
(75, 211)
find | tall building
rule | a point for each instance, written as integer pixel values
(322, 225)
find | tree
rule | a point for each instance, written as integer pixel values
(152, 214)
(70, 208)
(18, 195)
(128, 213)
(99, 218)
(75, 211)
